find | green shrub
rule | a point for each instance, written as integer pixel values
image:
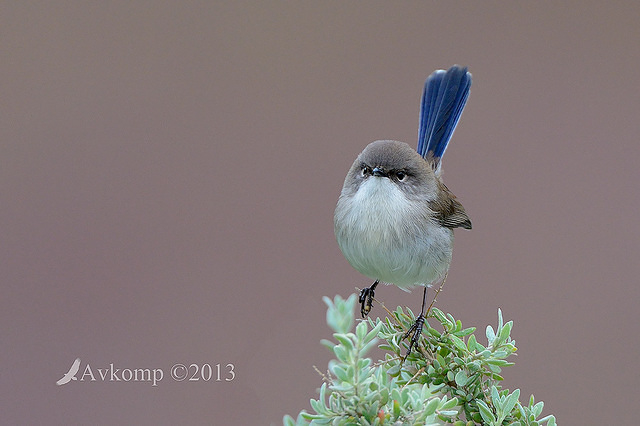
(449, 378)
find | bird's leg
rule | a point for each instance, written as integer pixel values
(416, 329)
(366, 298)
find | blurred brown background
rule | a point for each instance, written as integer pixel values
(169, 172)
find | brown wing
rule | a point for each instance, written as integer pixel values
(448, 210)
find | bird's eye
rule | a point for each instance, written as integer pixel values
(401, 175)
(364, 170)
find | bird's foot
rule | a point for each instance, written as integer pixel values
(366, 298)
(415, 331)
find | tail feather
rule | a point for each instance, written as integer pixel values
(443, 99)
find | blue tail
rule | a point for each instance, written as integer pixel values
(445, 94)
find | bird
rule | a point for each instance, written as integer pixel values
(71, 374)
(394, 218)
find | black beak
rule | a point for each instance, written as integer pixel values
(379, 171)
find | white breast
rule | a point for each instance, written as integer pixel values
(385, 236)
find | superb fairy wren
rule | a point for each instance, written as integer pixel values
(395, 217)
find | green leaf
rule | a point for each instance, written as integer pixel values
(341, 373)
(341, 353)
(342, 387)
(461, 378)
(457, 322)
(442, 318)
(394, 370)
(499, 362)
(323, 393)
(459, 344)
(431, 406)
(471, 343)
(450, 376)
(449, 404)
(504, 332)
(372, 335)
(485, 353)
(466, 332)
(318, 406)
(486, 413)
(366, 348)
(361, 330)
(433, 332)
(396, 408)
(510, 401)
(551, 420)
(491, 335)
(495, 396)
(344, 340)
(537, 409)
(500, 354)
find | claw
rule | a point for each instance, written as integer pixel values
(415, 331)
(366, 299)
(416, 328)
